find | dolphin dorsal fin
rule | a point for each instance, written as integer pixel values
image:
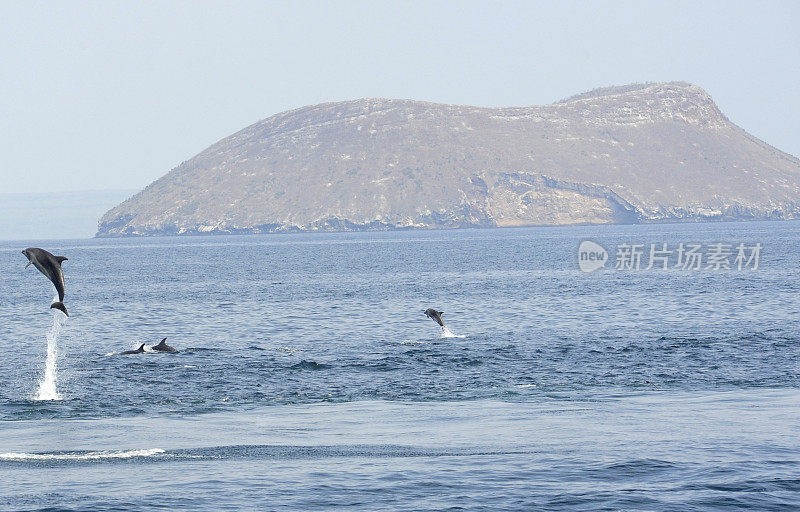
(141, 347)
(61, 259)
(162, 342)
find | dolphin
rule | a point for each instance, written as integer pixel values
(163, 347)
(434, 315)
(50, 266)
(139, 350)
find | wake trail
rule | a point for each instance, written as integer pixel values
(122, 454)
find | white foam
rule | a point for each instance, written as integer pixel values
(412, 342)
(48, 389)
(124, 454)
(446, 333)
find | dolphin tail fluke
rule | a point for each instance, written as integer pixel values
(60, 306)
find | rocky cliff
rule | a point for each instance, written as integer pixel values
(638, 153)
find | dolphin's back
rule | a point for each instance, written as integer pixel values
(163, 347)
(137, 351)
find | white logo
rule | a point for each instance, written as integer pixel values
(591, 256)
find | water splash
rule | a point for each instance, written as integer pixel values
(447, 333)
(48, 389)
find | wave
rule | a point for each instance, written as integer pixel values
(99, 455)
(254, 452)
(338, 451)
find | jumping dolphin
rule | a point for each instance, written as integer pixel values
(139, 350)
(434, 315)
(50, 266)
(163, 347)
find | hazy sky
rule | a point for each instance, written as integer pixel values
(112, 95)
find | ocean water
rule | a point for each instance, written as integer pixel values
(308, 377)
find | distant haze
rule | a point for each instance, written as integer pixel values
(55, 215)
(112, 95)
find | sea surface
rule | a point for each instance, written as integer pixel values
(308, 377)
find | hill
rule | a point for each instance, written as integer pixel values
(637, 153)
